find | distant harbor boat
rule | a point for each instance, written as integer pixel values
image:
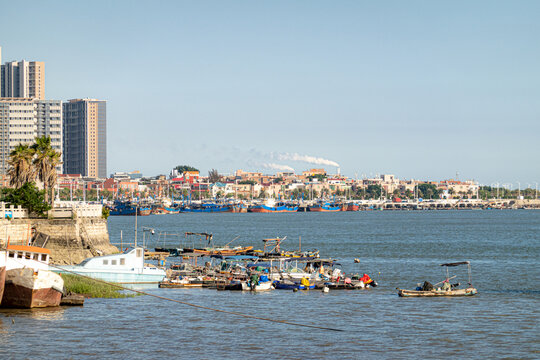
(162, 210)
(325, 207)
(271, 205)
(207, 207)
(127, 208)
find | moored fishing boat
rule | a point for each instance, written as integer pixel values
(28, 282)
(126, 268)
(207, 207)
(127, 208)
(164, 210)
(239, 208)
(291, 285)
(352, 207)
(325, 207)
(271, 206)
(224, 251)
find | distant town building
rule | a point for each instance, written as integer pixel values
(85, 137)
(314, 172)
(24, 119)
(23, 79)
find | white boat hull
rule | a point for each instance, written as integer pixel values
(265, 286)
(118, 277)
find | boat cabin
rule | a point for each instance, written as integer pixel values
(20, 256)
(132, 258)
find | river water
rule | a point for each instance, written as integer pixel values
(398, 249)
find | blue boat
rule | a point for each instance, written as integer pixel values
(207, 208)
(127, 208)
(291, 285)
(325, 207)
(270, 206)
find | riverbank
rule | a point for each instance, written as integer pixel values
(90, 288)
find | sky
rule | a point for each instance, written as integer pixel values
(419, 89)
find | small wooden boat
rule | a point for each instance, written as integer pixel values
(224, 251)
(184, 283)
(458, 292)
(447, 290)
(262, 286)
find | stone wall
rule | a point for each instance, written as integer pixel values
(70, 240)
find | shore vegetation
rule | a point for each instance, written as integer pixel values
(91, 288)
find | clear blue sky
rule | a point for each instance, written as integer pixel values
(417, 89)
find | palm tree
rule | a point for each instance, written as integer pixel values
(46, 161)
(21, 171)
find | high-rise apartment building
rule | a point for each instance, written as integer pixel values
(24, 119)
(23, 79)
(85, 137)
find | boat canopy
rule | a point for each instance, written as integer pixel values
(457, 263)
(201, 234)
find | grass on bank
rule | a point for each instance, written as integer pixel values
(90, 288)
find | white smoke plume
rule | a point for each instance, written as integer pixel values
(277, 167)
(306, 158)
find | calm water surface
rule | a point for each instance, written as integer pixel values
(396, 248)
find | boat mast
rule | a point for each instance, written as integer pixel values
(136, 210)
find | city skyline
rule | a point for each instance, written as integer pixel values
(417, 91)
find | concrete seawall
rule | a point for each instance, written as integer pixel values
(70, 240)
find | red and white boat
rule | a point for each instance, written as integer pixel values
(28, 281)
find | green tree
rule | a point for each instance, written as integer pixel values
(373, 191)
(182, 168)
(428, 191)
(247, 182)
(45, 162)
(21, 170)
(408, 194)
(29, 197)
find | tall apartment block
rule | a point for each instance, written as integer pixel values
(23, 79)
(24, 119)
(85, 137)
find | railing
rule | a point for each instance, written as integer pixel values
(12, 212)
(70, 209)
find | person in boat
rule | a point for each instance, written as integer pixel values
(254, 280)
(426, 286)
(366, 279)
(446, 285)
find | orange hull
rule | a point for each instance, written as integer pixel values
(320, 209)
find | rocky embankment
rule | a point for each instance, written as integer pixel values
(70, 240)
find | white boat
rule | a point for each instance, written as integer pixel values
(262, 286)
(125, 268)
(28, 282)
